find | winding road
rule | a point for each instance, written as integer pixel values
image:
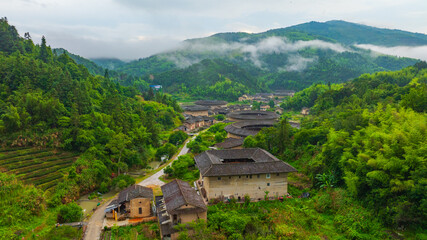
(154, 179)
(94, 226)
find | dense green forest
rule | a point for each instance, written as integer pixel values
(210, 79)
(108, 63)
(368, 136)
(50, 101)
(105, 67)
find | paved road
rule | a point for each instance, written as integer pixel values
(154, 179)
(94, 226)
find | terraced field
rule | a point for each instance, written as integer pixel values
(42, 167)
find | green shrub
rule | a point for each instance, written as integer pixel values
(122, 181)
(177, 137)
(70, 212)
(357, 223)
(104, 187)
(63, 232)
(220, 117)
(167, 150)
(330, 200)
(183, 168)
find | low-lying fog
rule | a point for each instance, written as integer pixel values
(419, 52)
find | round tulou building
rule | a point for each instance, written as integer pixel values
(249, 123)
(252, 116)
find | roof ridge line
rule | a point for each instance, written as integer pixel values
(271, 155)
(256, 151)
(180, 189)
(210, 165)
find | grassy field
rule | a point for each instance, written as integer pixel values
(42, 167)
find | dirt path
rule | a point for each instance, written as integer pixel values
(154, 180)
(94, 226)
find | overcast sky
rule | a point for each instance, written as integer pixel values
(131, 29)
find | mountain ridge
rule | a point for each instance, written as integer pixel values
(294, 57)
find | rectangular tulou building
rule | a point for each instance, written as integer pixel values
(235, 173)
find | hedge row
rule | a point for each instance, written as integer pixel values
(23, 153)
(41, 172)
(6, 162)
(48, 185)
(48, 158)
(40, 166)
(3, 150)
(47, 178)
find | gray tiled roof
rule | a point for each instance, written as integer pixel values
(230, 143)
(210, 102)
(253, 115)
(192, 108)
(193, 119)
(179, 193)
(241, 128)
(210, 162)
(135, 191)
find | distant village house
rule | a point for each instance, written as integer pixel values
(196, 110)
(156, 87)
(192, 123)
(305, 111)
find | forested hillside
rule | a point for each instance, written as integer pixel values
(288, 58)
(367, 136)
(211, 79)
(108, 63)
(105, 67)
(352, 33)
(51, 102)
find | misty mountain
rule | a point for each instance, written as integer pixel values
(288, 58)
(351, 33)
(108, 63)
(99, 68)
(93, 68)
(207, 73)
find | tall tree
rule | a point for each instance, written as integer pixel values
(44, 54)
(283, 135)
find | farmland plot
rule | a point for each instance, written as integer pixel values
(42, 167)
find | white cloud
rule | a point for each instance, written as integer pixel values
(400, 51)
(297, 63)
(269, 45)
